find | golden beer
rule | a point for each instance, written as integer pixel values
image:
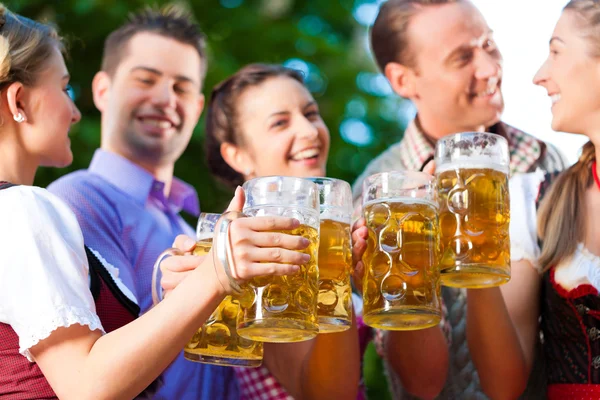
(401, 287)
(334, 306)
(217, 341)
(474, 226)
(283, 308)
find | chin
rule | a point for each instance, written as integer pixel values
(61, 162)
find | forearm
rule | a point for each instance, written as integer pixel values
(332, 371)
(494, 345)
(420, 359)
(327, 367)
(124, 362)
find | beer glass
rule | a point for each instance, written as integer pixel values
(401, 288)
(334, 305)
(472, 177)
(283, 308)
(217, 341)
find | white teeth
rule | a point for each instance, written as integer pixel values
(554, 98)
(492, 85)
(304, 154)
(157, 122)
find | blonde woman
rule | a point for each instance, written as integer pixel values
(555, 280)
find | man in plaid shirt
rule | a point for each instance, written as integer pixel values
(440, 54)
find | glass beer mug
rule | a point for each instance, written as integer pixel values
(217, 341)
(472, 177)
(334, 306)
(283, 308)
(401, 285)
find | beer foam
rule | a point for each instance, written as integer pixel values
(335, 214)
(402, 200)
(472, 163)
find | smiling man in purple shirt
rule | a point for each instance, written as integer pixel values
(149, 93)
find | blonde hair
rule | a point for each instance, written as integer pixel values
(561, 216)
(389, 34)
(25, 47)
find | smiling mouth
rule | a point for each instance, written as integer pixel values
(307, 154)
(157, 123)
(555, 98)
(491, 88)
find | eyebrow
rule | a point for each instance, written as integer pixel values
(308, 105)
(556, 39)
(468, 46)
(159, 73)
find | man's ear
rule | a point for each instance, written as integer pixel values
(401, 79)
(100, 90)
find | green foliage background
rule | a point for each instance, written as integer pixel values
(326, 38)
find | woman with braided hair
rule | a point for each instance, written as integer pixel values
(68, 327)
(556, 259)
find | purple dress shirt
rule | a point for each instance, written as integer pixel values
(125, 216)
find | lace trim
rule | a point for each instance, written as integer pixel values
(64, 317)
(592, 266)
(114, 273)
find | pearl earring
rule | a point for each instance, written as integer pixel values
(19, 118)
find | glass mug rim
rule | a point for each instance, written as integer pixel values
(498, 158)
(422, 180)
(324, 207)
(470, 134)
(251, 183)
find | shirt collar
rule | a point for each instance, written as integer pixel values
(138, 183)
(525, 150)
(421, 150)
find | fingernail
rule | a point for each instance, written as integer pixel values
(295, 268)
(304, 242)
(305, 257)
(189, 243)
(296, 222)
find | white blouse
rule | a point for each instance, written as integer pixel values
(43, 267)
(582, 268)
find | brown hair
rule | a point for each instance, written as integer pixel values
(389, 34)
(25, 47)
(171, 21)
(561, 217)
(222, 125)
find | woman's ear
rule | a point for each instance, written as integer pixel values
(237, 159)
(14, 100)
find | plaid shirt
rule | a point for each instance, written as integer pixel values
(413, 152)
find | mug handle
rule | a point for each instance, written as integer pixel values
(222, 258)
(157, 292)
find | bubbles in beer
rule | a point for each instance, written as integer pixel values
(401, 283)
(285, 306)
(217, 341)
(474, 221)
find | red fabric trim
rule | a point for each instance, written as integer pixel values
(595, 173)
(593, 313)
(579, 291)
(565, 391)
